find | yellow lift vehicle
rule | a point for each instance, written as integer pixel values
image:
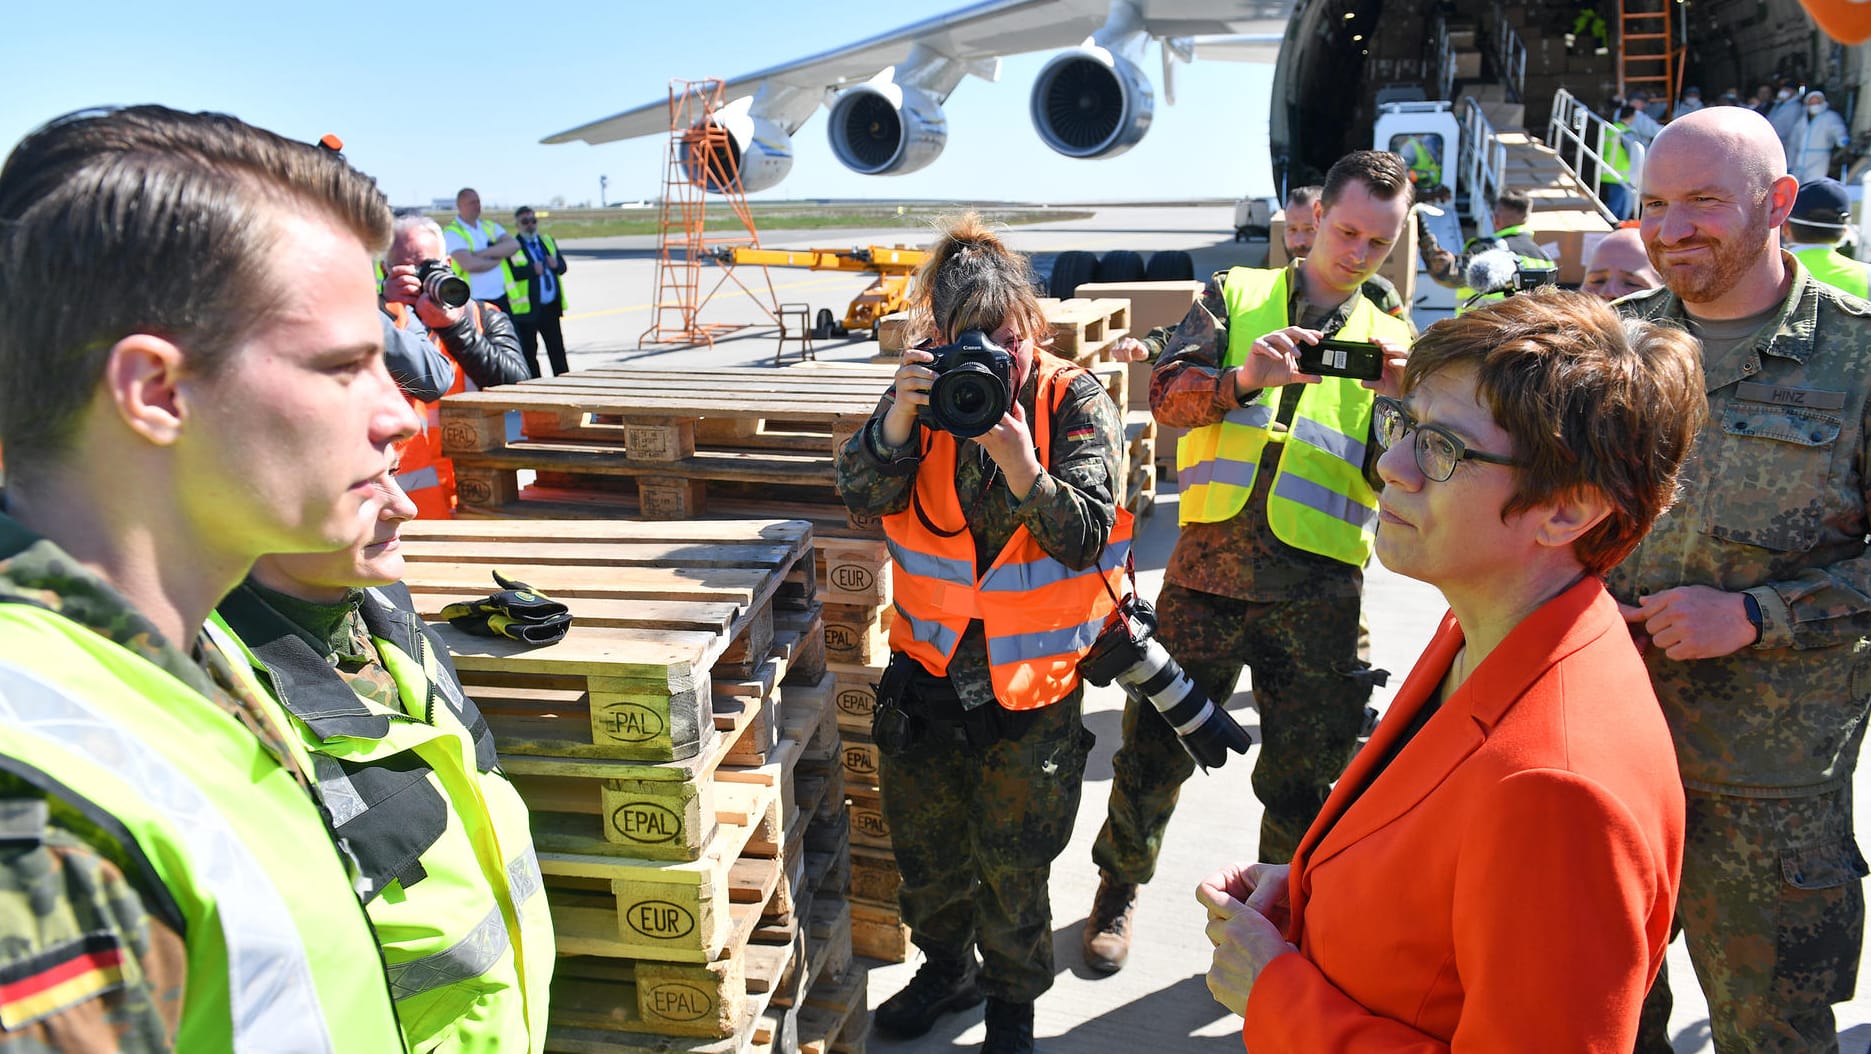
(893, 267)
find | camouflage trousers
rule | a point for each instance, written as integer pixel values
(975, 834)
(1306, 688)
(1772, 904)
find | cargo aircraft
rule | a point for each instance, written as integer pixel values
(1332, 59)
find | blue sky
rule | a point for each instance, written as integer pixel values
(432, 103)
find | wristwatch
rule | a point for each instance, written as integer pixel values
(1753, 609)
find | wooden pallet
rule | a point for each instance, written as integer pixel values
(656, 608)
(602, 1004)
(869, 826)
(854, 693)
(879, 933)
(674, 911)
(874, 876)
(858, 634)
(675, 440)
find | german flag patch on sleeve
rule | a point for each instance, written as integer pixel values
(1079, 435)
(59, 977)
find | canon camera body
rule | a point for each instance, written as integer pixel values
(973, 385)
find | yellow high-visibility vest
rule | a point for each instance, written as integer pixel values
(1320, 501)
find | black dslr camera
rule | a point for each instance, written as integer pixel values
(1126, 651)
(973, 385)
(442, 284)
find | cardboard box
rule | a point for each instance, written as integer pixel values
(1467, 65)
(1562, 232)
(1152, 304)
(1505, 116)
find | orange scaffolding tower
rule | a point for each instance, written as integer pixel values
(701, 159)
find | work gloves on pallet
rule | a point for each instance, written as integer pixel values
(518, 612)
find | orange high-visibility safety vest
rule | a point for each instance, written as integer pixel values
(425, 475)
(1041, 616)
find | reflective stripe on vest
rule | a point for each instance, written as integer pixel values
(1828, 265)
(1221, 465)
(420, 479)
(1038, 615)
(469, 957)
(270, 986)
(1319, 500)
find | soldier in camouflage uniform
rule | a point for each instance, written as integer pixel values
(981, 798)
(1234, 594)
(196, 408)
(1751, 596)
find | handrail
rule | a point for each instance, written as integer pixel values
(1445, 60)
(1510, 53)
(1575, 134)
(1482, 164)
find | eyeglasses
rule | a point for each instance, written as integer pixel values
(1437, 449)
(527, 222)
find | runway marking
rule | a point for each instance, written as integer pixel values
(731, 291)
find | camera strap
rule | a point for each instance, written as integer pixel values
(1130, 573)
(974, 507)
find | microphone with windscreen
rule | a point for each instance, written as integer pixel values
(1494, 271)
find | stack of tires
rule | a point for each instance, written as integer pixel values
(1074, 268)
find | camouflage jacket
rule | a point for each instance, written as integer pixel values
(1377, 289)
(1240, 557)
(63, 880)
(1774, 503)
(1070, 510)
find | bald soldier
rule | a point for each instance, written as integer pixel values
(1617, 266)
(1752, 597)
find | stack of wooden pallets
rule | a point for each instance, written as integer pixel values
(678, 750)
(720, 443)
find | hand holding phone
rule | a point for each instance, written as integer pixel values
(1342, 358)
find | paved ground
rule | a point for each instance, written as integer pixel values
(1160, 1001)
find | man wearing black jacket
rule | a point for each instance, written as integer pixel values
(478, 337)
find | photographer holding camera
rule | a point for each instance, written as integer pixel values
(1008, 548)
(420, 291)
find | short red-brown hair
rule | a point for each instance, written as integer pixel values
(1591, 401)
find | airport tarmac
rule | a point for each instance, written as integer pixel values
(1160, 1000)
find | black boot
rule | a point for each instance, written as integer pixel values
(1009, 1028)
(939, 987)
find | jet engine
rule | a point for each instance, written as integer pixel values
(1089, 102)
(758, 149)
(887, 129)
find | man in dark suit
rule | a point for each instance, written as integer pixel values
(545, 295)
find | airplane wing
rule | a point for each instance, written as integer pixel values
(974, 37)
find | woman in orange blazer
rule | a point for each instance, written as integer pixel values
(1497, 868)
